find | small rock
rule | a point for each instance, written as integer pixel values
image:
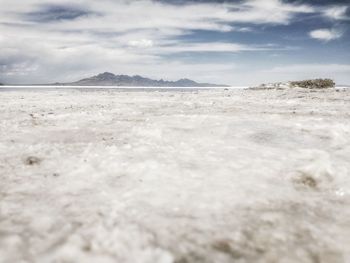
(306, 180)
(32, 160)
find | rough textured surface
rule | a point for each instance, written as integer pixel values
(200, 176)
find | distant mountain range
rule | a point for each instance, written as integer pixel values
(109, 79)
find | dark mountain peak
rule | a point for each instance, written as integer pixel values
(110, 79)
(185, 81)
(189, 83)
(105, 75)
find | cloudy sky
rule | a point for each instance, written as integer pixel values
(241, 42)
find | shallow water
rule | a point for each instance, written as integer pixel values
(198, 176)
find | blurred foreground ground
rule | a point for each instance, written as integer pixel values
(151, 177)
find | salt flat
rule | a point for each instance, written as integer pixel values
(190, 176)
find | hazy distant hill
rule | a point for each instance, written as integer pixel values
(109, 79)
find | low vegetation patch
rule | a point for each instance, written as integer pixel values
(306, 84)
(314, 84)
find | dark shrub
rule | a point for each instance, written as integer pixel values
(314, 84)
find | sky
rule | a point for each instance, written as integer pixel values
(242, 42)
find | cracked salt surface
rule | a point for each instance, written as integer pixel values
(197, 176)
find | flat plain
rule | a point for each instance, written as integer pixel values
(232, 175)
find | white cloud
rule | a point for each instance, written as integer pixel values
(121, 36)
(132, 37)
(336, 12)
(325, 34)
(142, 43)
